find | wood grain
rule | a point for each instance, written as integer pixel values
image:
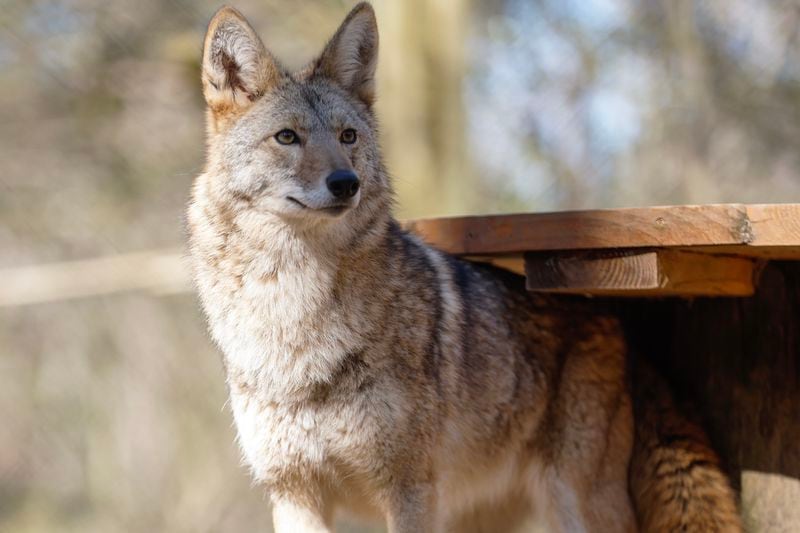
(690, 273)
(591, 272)
(639, 273)
(513, 262)
(774, 225)
(749, 228)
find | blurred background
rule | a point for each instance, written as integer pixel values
(112, 400)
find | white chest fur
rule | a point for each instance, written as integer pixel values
(278, 329)
(280, 332)
(303, 438)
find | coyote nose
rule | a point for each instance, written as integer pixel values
(342, 183)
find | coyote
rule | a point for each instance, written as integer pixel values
(370, 372)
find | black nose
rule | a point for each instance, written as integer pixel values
(342, 183)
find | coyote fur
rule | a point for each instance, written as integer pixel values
(371, 372)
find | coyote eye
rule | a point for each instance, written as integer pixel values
(348, 136)
(286, 137)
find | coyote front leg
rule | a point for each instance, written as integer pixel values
(413, 510)
(292, 516)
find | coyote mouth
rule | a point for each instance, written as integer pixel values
(330, 209)
(297, 202)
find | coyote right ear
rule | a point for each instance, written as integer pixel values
(237, 69)
(351, 55)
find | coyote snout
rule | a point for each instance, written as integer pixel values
(340, 194)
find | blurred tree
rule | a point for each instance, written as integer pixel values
(620, 102)
(423, 66)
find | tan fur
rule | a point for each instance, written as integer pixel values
(370, 372)
(675, 476)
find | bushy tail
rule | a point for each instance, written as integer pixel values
(676, 480)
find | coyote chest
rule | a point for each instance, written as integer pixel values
(280, 329)
(283, 441)
(290, 366)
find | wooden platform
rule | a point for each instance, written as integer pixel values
(733, 362)
(696, 250)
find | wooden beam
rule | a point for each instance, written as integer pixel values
(774, 225)
(512, 262)
(749, 229)
(640, 273)
(597, 229)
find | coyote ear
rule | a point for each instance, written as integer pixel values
(237, 69)
(351, 56)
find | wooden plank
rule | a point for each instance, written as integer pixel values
(788, 253)
(755, 230)
(599, 229)
(689, 273)
(639, 273)
(774, 225)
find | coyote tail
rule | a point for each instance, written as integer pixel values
(676, 481)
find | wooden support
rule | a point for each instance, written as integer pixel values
(640, 273)
(512, 262)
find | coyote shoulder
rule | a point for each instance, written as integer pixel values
(371, 372)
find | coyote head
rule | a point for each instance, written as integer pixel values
(298, 146)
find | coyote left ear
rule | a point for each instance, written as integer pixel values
(237, 69)
(351, 56)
